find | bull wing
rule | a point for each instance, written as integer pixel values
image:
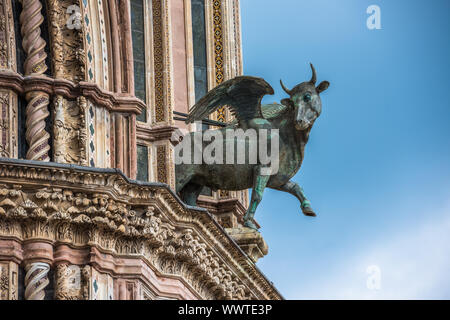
(241, 94)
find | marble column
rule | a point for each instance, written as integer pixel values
(36, 280)
(38, 256)
(33, 44)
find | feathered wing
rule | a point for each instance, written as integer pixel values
(241, 94)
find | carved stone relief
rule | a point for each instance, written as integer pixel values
(8, 280)
(8, 124)
(7, 41)
(67, 45)
(72, 282)
(69, 130)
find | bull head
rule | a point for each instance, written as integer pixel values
(305, 99)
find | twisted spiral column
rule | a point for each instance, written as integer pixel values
(36, 280)
(38, 101)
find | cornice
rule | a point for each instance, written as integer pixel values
(112, 101)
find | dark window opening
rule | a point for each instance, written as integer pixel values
(21, 119)
(45, 36)
(199, 48)
(138, 38)
(20, 53)
(200, 62)
(142, 163)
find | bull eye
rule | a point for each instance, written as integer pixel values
(307, 97)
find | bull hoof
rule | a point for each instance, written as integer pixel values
(251, 225)
(308, 211)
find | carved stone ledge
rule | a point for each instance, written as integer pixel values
(112, 101)
(250, 241)
(101, 209)
(154, 133)
(228, 212)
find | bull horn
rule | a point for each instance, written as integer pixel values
(314, 77)
(284, 88)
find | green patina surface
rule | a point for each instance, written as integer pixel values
(293, 117)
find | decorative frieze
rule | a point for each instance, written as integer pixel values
(158, 53)
(162, 61)
(103, 209)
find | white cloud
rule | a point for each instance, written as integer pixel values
(414, 264)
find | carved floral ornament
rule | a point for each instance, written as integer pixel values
(66, 204)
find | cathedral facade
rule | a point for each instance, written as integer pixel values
(91, 92)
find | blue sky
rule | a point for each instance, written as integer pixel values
(377, 166)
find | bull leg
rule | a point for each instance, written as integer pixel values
(259, 184)
(190, 193)
(294, 189)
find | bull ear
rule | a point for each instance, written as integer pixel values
(322, 86)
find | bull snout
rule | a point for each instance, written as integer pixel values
(304, 119)
(302, 124)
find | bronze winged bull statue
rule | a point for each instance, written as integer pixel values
(293, 118)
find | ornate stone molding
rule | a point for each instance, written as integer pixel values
(250, 241)
(155, 133)
(102, 209)
(69, 90)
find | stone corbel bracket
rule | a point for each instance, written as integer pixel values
(114, 102)
(155, 133)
